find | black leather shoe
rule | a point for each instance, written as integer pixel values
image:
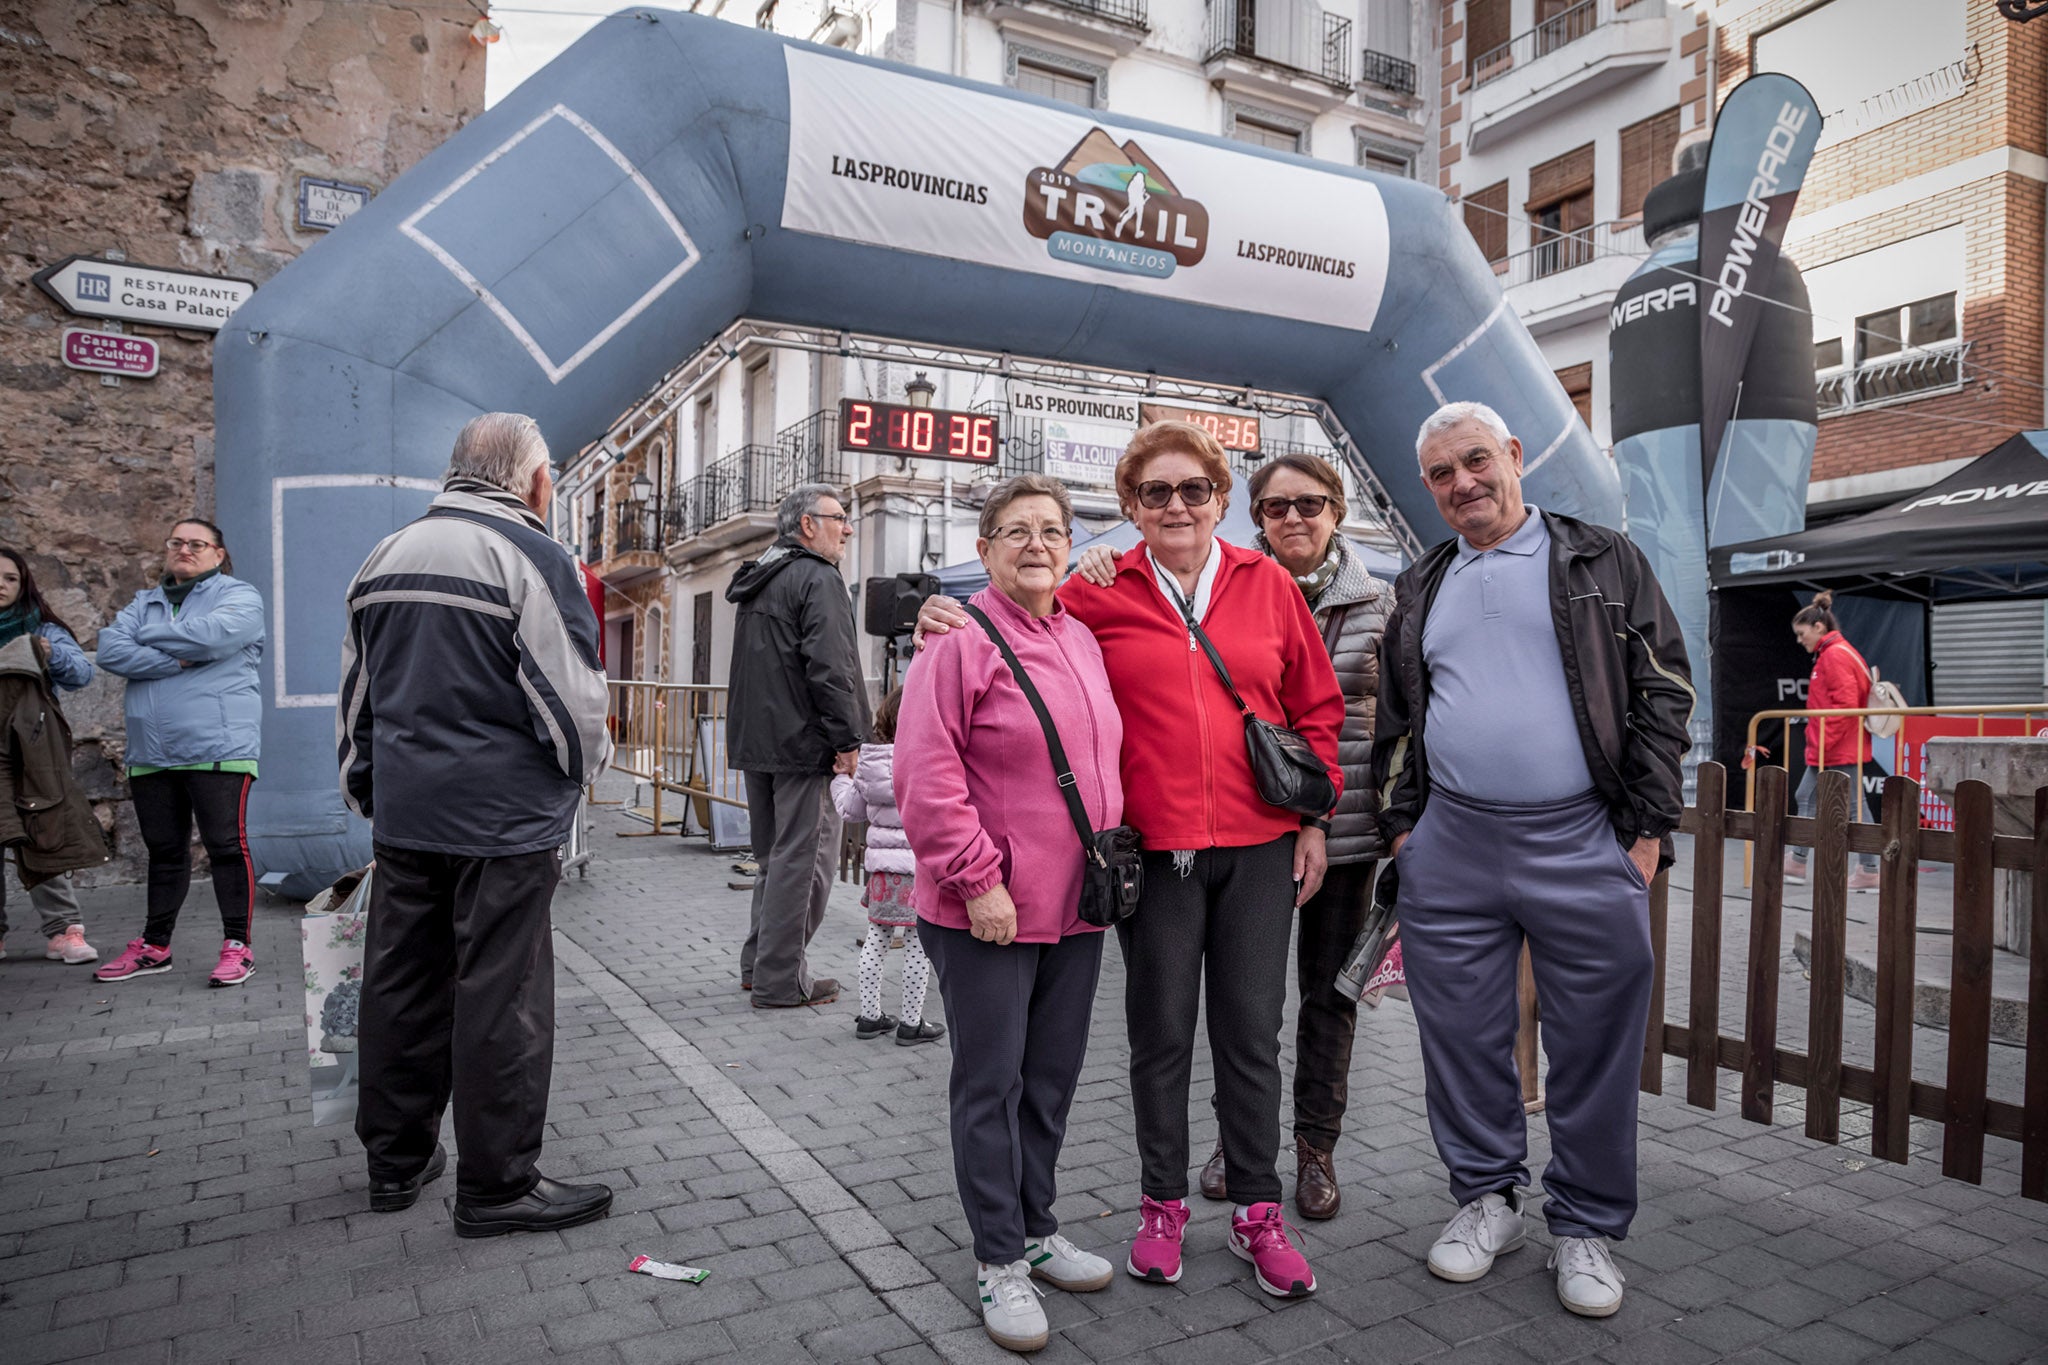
(1215, 1183)
(389, 1196)
(549, 1204)
(910, 1035)
(864, 1027)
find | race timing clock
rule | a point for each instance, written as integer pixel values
(917, 433)
(1232, 430)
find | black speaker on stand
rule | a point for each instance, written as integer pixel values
(890, 608)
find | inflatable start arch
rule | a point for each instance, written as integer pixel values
(670, 175)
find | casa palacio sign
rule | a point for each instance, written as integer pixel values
(94, 287)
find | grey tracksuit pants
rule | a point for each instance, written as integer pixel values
(1017, 1017)
(1476, 880)
(795, 829)
(55, 902)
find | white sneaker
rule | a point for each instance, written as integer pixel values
(1065, 1266)
(1009, 1306)
(1489, 1226)
(1587, 1281)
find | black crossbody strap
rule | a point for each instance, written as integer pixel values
(1187, 614)
(1062, 771)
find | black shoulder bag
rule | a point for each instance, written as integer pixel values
(1111, 873)
(1286, 767)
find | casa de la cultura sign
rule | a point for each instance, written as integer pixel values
(96, 288)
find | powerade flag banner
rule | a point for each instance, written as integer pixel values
(1763, 143)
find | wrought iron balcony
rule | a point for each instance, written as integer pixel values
(1558, 31)
(1308, 39)
(755, 478)
(1388, 72)
(1131, 13)
(1919, 372)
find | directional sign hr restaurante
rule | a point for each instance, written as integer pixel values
(95, 288)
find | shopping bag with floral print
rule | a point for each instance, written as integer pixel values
(333, 934)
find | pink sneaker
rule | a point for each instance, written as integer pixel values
(70, 947)
(1155, 1251)
(1862, 880)
(1262, 1239)
(237, 964)
(138, 959)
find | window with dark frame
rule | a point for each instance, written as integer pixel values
(1827, 355)
(1560, 207)
(1486, 218)
(1646, 150)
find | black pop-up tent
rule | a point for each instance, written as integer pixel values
(1981, 533)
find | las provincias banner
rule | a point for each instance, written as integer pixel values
(1763, 143)
(915, 165)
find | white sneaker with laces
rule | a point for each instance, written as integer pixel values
(1010, 1313)
(1489, 1226)
(1065, 1266)
(1587, 1281)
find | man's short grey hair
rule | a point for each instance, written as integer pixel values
(1450, 414)
(801, 502)
(502, 449)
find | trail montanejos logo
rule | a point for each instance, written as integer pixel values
(1113, 208)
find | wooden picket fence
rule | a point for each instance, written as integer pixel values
(1966, 1112)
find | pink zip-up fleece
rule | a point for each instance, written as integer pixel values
(974, 779)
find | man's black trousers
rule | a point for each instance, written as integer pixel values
(458, 998)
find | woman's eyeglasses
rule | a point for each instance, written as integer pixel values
(174, 544)
(1156, 493)
(1309, 505)
(1017, 537)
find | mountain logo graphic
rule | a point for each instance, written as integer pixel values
(1111, 207)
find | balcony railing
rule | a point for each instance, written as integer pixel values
(1558, 252)
(1388, 72)
(593, 533)
(1131, 13)
(1918, 373)
(636, 526)
(1558, 31)
(1298, 35)
(755, 478)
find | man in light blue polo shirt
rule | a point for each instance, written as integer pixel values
(1532, 714)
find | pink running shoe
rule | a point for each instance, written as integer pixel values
(70, 947)
(1155, 1251)
(138, 959)
(1262, 1239)
(237, 964)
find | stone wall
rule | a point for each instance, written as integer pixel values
(173, 133)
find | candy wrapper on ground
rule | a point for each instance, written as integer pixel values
(332, 935)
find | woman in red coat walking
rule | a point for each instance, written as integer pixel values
(1841, 679)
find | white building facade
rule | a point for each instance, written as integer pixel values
(683, 489)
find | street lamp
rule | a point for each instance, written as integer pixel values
(642, 487)
(918, 392)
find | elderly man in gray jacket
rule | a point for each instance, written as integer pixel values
(472, 713)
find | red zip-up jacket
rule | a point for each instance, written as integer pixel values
(1840, 681)
(1187, 779)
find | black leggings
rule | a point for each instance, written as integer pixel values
(166, 803)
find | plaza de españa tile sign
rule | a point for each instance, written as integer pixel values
(896, 161)
(96, 288)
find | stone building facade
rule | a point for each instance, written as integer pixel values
(173, 133)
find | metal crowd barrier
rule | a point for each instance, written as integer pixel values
(672, 737)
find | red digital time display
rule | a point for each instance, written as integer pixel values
(1232, 430)
(919, 433)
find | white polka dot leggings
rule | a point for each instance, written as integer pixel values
(916, 972)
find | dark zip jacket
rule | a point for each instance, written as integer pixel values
(1624, 665)
(44, 816)
(797, 698)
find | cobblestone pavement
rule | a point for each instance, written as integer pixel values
(164, 1196)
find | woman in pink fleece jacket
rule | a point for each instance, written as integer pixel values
(998, 890)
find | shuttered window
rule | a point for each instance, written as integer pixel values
(1987, 653)
(1561, 178)
(1646, 150)
(1486, 33)
(1486, 217)
(1578, 386)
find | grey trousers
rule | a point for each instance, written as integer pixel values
(1017, 1018)
(1476, 880)
(796, 842)
(56, 903)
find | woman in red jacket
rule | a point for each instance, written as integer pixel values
(1224, 871)
(1841, 680)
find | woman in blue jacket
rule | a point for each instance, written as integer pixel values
(24, 612)
(190, 648)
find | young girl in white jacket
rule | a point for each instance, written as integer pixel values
(870, 795)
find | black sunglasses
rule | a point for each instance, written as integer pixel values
(1309, 505)
(1156, 493)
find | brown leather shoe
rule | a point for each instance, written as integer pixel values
(1315, 1182)
(1212, 1176)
